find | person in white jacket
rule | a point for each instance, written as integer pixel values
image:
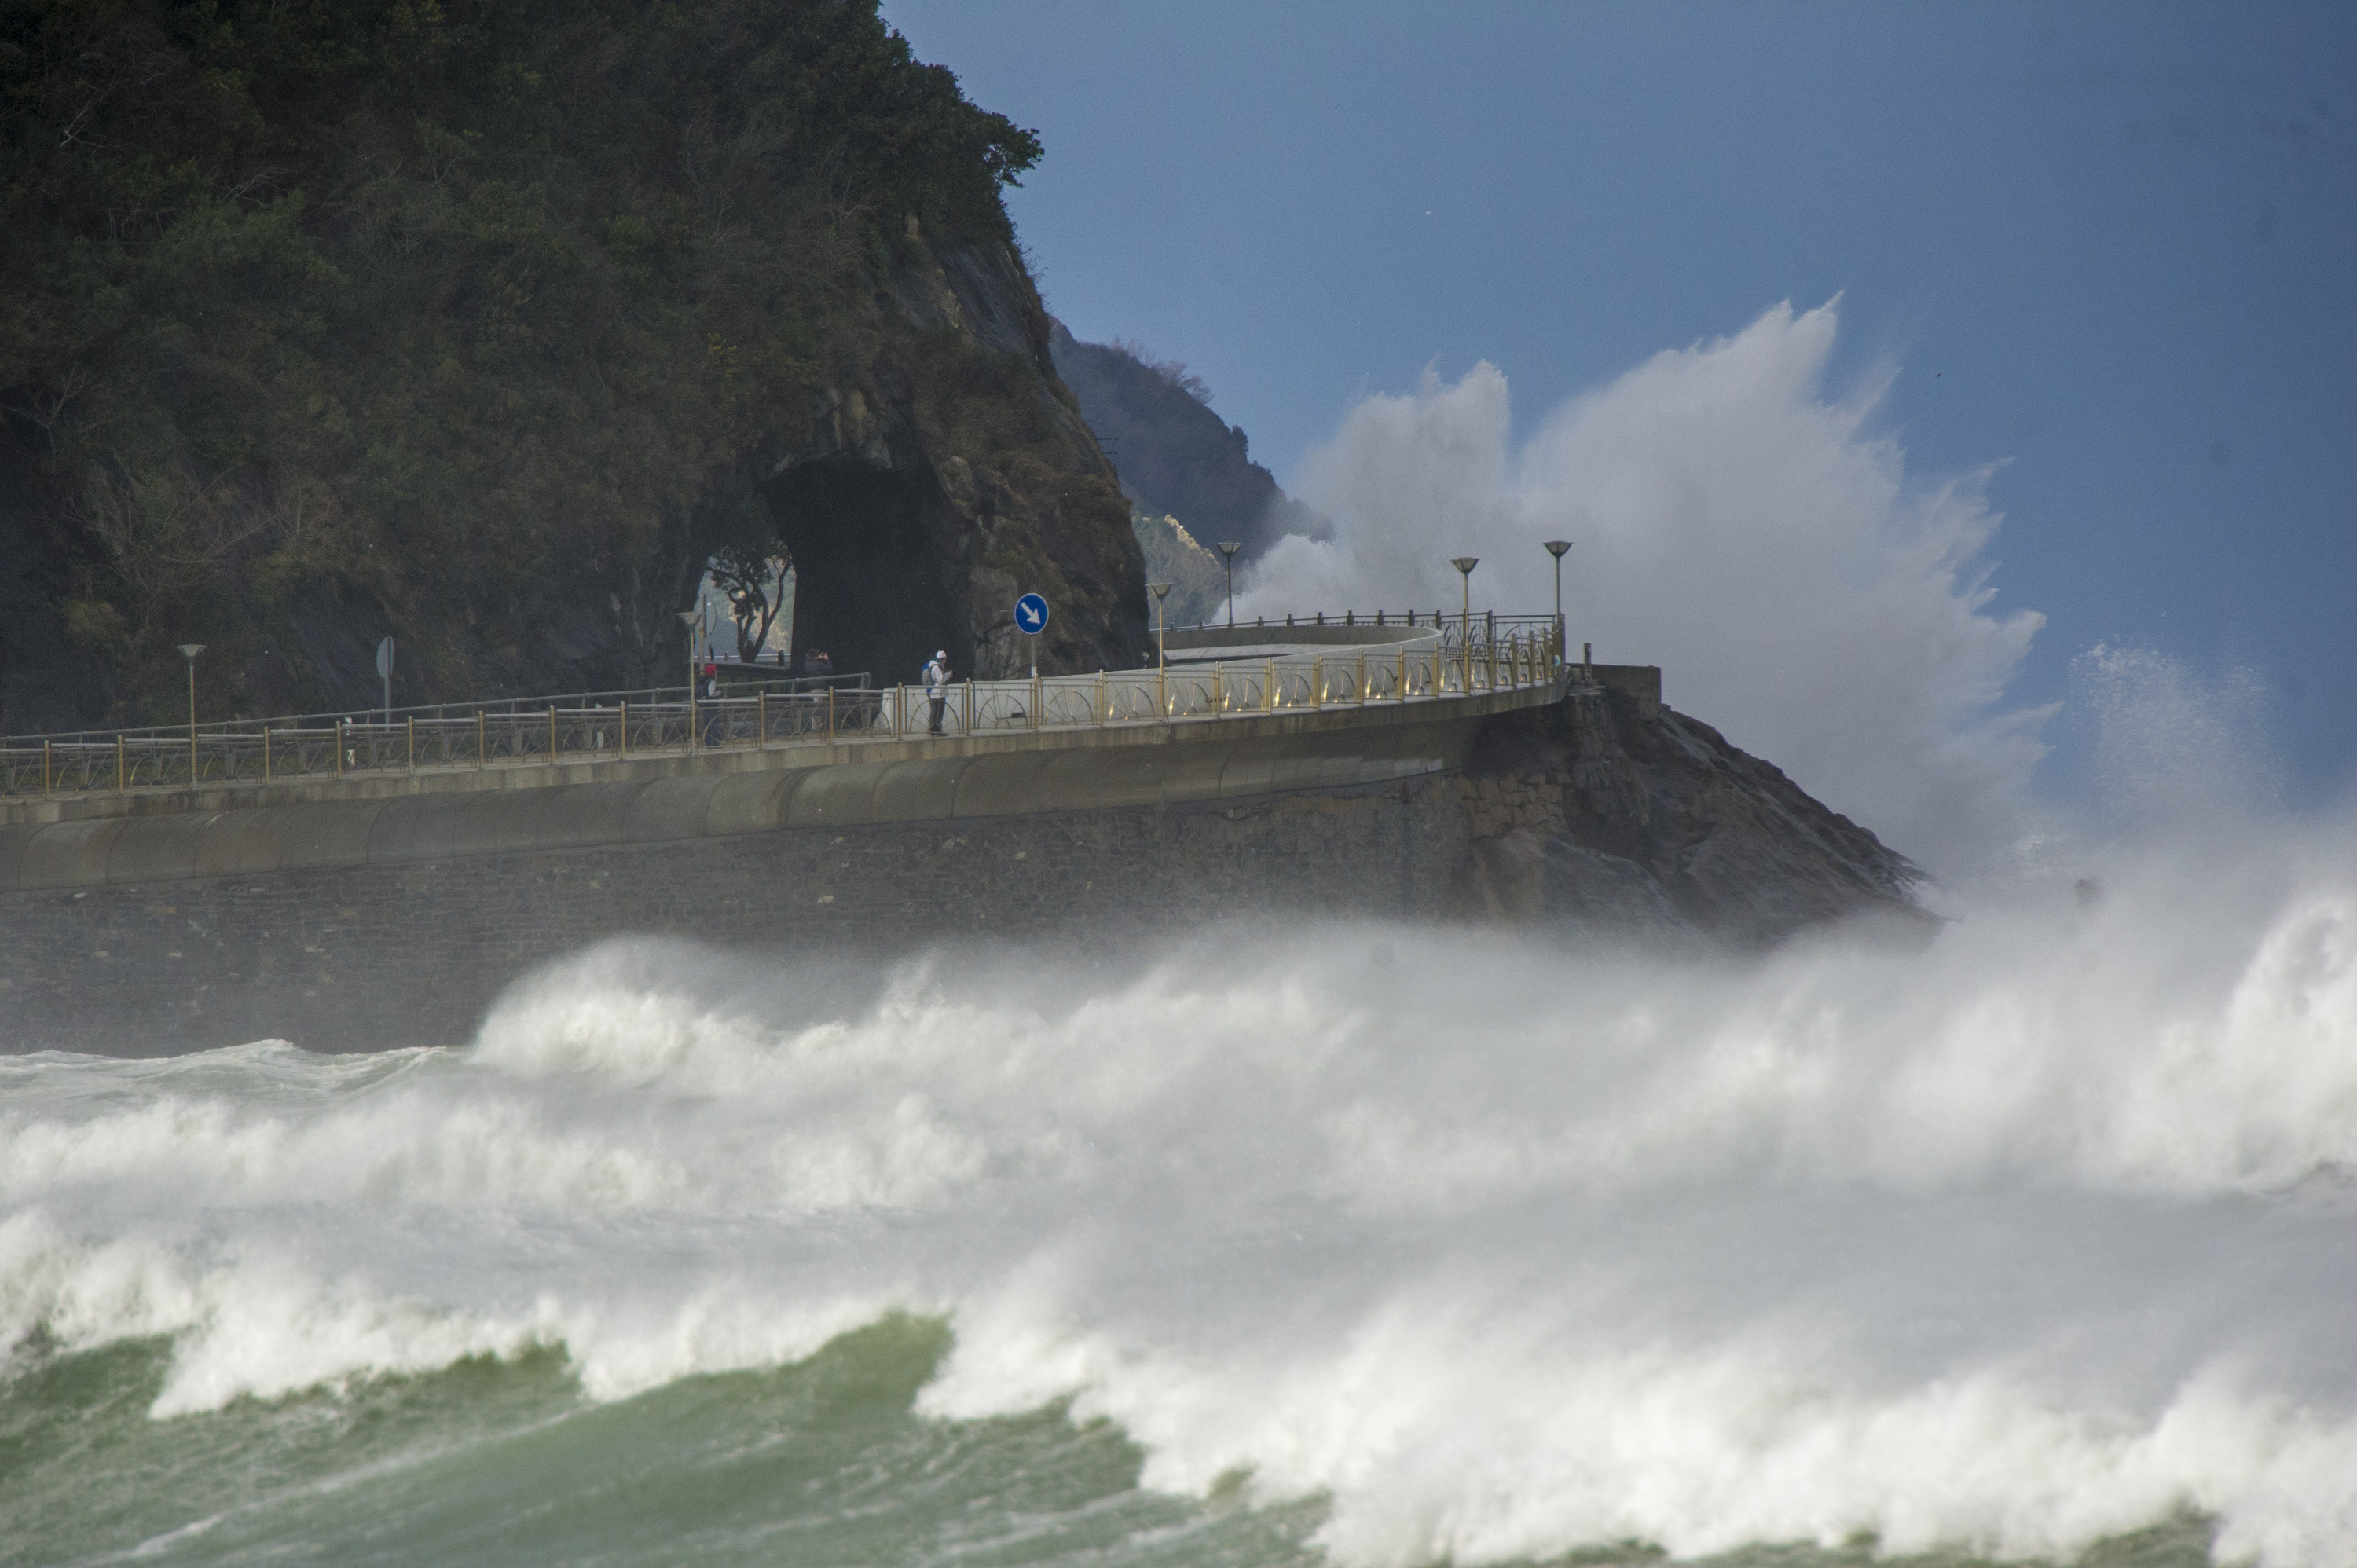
(937, 680)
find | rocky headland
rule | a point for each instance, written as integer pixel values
(1610, 812)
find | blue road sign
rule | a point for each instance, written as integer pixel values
(1031, 614)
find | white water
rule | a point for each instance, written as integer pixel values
(1756, 534)
(2037, 1237)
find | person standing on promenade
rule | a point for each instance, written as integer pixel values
(937, 680)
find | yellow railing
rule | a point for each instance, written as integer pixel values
(1428, 664)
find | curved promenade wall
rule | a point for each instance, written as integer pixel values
(388, 911)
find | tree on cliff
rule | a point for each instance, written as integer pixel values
(325, 317)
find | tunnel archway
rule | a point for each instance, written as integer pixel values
(871, 579)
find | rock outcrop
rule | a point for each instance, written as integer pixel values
(948, 477)
(1178, 459)
(1613, 814)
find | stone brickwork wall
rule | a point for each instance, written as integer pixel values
(372, 956)
(1496, 806)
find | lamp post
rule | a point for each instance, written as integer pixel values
(1555, 547)
(190, 651)
(1465, 564)
(1228, 549)
(1160, 591)
(690, 621)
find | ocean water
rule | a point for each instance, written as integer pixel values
(1359, 1244)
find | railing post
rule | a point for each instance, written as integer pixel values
(623, 729)
(969, 704)
(339, 749)
(120, 785)
(44, 768)
(830, 715)
(265, 754)
(1268, 689)
(552, 734)
(1100, 689)
(1317, 673)
(481, 729)
(761, 717)
(1035, 698)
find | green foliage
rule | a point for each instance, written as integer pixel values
(438, 304)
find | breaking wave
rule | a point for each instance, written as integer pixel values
(1470, 1247)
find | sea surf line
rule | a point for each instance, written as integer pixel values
(1368, 1244)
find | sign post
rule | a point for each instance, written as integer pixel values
(1031, 619)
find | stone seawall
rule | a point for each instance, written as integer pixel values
(373, 911)
(359, 919)
(371, 956)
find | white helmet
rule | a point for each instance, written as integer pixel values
(941, 653)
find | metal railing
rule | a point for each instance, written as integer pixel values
(1419, 663)
(1453, 624)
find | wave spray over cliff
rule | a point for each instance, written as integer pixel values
(1359, 1244)
(1758, 536)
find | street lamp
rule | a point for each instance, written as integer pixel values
(1160, 591)
(1229, 549)
(690, 621)
(1465, 564)
(190, 651)
(1555, 547)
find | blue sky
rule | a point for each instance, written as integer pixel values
(2111, 248)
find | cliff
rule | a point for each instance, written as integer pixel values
(1176, 457)
(1611, 813)
(483, 325)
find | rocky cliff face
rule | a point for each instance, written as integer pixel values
(483, 324)
(1612, 814)
(947, 477)
(1178, 459)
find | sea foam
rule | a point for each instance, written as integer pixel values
(2037, 1236)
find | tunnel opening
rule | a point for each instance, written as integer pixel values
(871, 587)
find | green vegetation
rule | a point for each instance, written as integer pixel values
(443, 317)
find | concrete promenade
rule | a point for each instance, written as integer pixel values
(392, 818)
(391, 907)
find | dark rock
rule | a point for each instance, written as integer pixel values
(1598, 814)
(1176, 457)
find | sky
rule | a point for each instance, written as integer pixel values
(2098, 262)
